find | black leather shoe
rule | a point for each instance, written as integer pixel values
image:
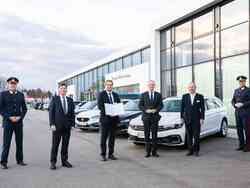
(67, 164)
(112, 157)
(147, 155)
(246, 149)
(189, 153)
(21, 163)
(4, 166)
(53, 166)
(239, 148)
(155, 155)
(103, 158)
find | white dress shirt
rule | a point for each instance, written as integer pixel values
(192, 97)
(110, 92)
(153, 94)
(66, 103)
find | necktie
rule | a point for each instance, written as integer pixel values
(110, 99)
(151, 97)
(64, 106)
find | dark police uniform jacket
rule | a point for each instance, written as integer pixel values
(12, 105)
(243, 96)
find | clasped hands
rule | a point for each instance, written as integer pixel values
(238, 105)
(14, 119)
(151, 111)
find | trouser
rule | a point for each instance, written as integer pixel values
(193, 130)
(241, 125)
(7, 137)
(108, 131)
(150, 127)
(57, 136)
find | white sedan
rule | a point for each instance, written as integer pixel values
(172, 131)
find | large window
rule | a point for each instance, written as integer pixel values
(146, 55)
(118, 64)
(183, 45)
(136, 58)
(165, 60)
(166, 83)
(204, 78)
(231, 68)
(183, 78)
(127, 62)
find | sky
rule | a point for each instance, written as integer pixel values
(43, 40)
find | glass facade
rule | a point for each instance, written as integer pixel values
(211, 48)
(89, 83)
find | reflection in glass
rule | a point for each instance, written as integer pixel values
(183, 33)
(183, 78)
(118, 64)
(204, 78)
(146, 55)
(165, 41)
(203, 25)
(183, 54)
(136, 58)
(234, 13)
(165, 60)
(127, 62)
(231, 68)
(235, 40)
(166, 83)
(204, 49)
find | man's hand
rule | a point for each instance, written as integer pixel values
(13, 119)
(53, 128)
(182, 120)
(202, 121)
(239, 105)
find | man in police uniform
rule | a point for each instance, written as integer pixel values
(13, 110)
(241, 103)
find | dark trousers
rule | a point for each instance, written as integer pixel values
(241, 125)
(108, 131)
(193, 130)
(7, 137)
(57, 136)
(150, 126)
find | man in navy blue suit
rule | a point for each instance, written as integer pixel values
(13, 109)
(62, 119)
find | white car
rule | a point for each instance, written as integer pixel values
(89, 119)
(171, 131)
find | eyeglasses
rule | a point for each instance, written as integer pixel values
(13, 83)
(242, 81)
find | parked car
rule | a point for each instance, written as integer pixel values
(172, 131)
(89, 120)
(77, 102)
(45, 106)
(87, 106)
(80, 104)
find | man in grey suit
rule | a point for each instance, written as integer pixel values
(151, 104)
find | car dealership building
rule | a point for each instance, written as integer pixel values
(209, 46)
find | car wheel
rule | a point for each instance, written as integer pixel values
(223, 128)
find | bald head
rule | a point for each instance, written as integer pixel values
(191, 87)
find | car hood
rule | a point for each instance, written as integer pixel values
(167, 119)
(129, 114)
(89, 113)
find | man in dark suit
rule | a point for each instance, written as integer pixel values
(151, 104)
(62, 119)
(108, 123)
(13, 109)
(241, 103)
(193, 115)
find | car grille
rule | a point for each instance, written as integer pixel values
(82, 119)
(141, 128)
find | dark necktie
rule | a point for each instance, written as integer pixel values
(110, 99)
(152, 97)
(64, 106)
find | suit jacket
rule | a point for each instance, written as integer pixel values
(102, 99)
(242, 96)
(192, 112)
(145, 103)
(57, 116)
(12, 105)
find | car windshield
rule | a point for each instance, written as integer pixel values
(171, 106)
(89, 105)
(131, 105)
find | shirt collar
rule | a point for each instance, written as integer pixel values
(108, 92)
(13, 92)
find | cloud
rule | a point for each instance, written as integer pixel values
(39, 55)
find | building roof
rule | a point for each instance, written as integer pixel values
(106, 60)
